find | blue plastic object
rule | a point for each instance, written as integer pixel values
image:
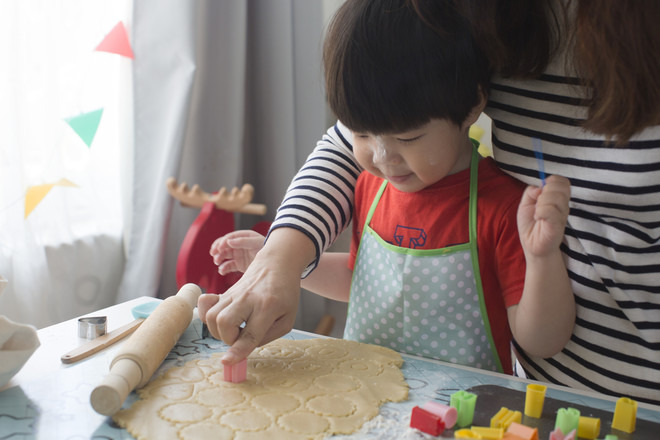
(144, 310)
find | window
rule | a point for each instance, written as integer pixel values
(52, 73)
(60, 206)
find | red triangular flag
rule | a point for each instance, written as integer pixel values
(116, 42)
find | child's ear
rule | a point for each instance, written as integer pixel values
(476, 110)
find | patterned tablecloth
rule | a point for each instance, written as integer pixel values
(56, 405)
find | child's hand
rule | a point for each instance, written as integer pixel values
(235, 251)
(542, 216)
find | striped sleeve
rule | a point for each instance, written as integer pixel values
(319, 200)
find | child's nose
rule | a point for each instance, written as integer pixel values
(384, 155)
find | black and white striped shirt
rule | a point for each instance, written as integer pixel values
(612, 241)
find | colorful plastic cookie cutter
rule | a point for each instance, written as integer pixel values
(426, 421)
(488, 433)
(558, 435)
(504, 418)
(521, 432)
(467, 433)
(534, 399)
(588, 427)
(625, 415)
(145, 309)
(448, 414)
(568, 419)
(236, 373)
(464, 402)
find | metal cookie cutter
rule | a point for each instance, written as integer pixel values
(92, 327)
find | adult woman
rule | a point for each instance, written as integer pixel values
(583, 78)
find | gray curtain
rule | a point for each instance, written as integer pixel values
(225, 93)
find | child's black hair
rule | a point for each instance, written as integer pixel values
(389, 69)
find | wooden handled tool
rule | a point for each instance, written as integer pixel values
(136, 361)
(98, 344)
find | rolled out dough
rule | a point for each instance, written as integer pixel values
(295, 389)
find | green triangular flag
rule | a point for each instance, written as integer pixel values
(86, 124)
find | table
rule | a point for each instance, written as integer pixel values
(50, 400)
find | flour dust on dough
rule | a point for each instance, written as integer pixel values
(295, 389)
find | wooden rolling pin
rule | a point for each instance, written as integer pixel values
(140, 356)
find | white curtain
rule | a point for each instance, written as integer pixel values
(219, 93)
(62, 254)
(226, 92)
(163, 77)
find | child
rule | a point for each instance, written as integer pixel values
(436, 266)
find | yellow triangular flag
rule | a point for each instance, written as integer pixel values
(65, 182)
(35, 195)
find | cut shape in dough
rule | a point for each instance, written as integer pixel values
(295, 389)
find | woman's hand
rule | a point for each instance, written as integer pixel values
(262, 305)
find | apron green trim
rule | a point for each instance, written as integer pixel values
(374, 203)
(399, 249)
(420, 252)
(474, 254)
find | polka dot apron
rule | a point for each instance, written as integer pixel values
(425, 302)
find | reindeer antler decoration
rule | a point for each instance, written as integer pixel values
(234, 201)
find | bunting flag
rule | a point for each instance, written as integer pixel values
(86, 124)
(116, 42)
(35, 194)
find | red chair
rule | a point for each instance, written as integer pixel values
(215, 219)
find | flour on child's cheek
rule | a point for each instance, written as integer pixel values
(432, 159)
